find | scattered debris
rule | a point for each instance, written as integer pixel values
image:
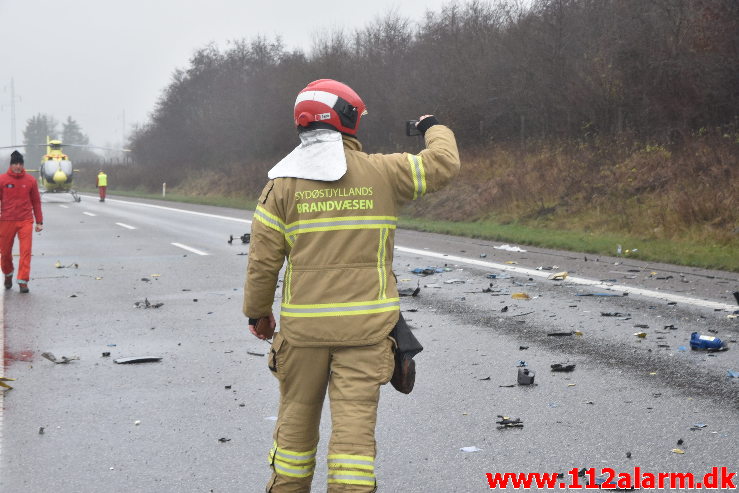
(614, 314)
(470, 449)
(224, 440)
(498, 276)
(409, 291)
(59, 265)
(706, 343)
(678, 451)
(525, 376)
(507, 422)
(138, 359)
(520, 296)
(641, 326)
(245, 238)
(522, 348)
(484, 379)
(680, 441)
(640, 335)
(509, 248)
(41, 430)
(504, 309)
(560, 334)
(455, 281)
(62, 361)
(255, 354)
(427, 271)
(5, 385)
(521, 363)
(559, 276)
(146, 304)
(106, 354)
(563, 367)
(732, 374)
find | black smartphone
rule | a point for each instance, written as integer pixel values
(411, 129)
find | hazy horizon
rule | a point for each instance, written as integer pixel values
(106, 66)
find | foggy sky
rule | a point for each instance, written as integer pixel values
(95, 60)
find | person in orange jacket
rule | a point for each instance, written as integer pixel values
(20, 203)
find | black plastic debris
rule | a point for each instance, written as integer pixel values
(507, 422)
(138, 359)
(106, 354)
(641, 326)
(614, 314)
(525, 376)
(254, 354)
(60, 361)
(146, 304)
(522, 348)
(563, 367)
(560, 334)
(427, 271)
(504, 309)
(736, 296)
(484, 379)
(224, 439)
(409, 291)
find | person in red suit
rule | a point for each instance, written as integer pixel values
(20, 203)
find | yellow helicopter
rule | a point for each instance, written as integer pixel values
(56, 172)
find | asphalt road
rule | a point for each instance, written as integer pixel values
(200, 420)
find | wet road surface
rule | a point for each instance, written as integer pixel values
(200, 419)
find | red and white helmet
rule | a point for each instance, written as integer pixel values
(327, 101)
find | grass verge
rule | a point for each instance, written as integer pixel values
(680, 252)
(691, 253)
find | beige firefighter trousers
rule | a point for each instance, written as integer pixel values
(353, 376)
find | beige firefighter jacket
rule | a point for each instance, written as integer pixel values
(338, 238)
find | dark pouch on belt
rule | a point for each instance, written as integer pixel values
(407, 346)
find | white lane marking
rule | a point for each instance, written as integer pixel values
(89, 213)
(574, 280)
(492, 265)
(64, 206)
(204, 214)
(190, 249)
(123, 225)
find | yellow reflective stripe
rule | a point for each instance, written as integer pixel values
(269, 219)
(351, 477)
(290, 240)
(339, 223)
(288, 280)
(293, 470)
(292, 456)
(418, 172)
(340, 309)
(381, 257)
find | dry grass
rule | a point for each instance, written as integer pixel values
(649, 191)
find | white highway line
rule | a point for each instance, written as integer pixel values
(190, 249)
(574, 280)
(123, 225)
(492, 265)
(64, 206)
(89, 213)
(204, 214)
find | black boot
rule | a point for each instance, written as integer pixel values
(23, 287)
(8, 281)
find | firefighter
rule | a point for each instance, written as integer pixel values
(330, 210)
(20, 204)
(102, 184)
